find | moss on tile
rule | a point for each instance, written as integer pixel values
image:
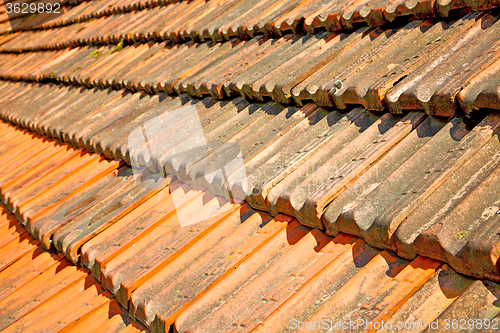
(95, 54)
(117, 48)
(462, 234)
(74, 70)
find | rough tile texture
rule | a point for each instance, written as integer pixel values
(41, 291)
(256, 166)
(376, 176)
(237, 269)
(443, 68)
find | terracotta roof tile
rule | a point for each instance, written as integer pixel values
(50, 282)
(347, 172)
(206, 271)
(346, 258)
(238, 270)
(16, 248)
(138, 138)
(423, 54)
(427, 303)
(24, 269)
(223, 20)
(395, 198)
(482, 90)
(41, 291)
(482, 293)
(163, 244)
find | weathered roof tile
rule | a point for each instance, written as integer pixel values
(219, 110)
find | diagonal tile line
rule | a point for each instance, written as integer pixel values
(280, 250)
(306, 19)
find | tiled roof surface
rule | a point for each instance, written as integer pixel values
(240, 270)
(219, 20)
(41, 291)
(377, 176)
(367, 131)
(439, 67)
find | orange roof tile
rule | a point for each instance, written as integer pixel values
(239, 270)
(213, 166)
(41, 291)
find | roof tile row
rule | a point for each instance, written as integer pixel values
(238, 270)
(222, 20)
(41, 291)
(280, 265)
(351, 172)
(426, 72)
(169, 235)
